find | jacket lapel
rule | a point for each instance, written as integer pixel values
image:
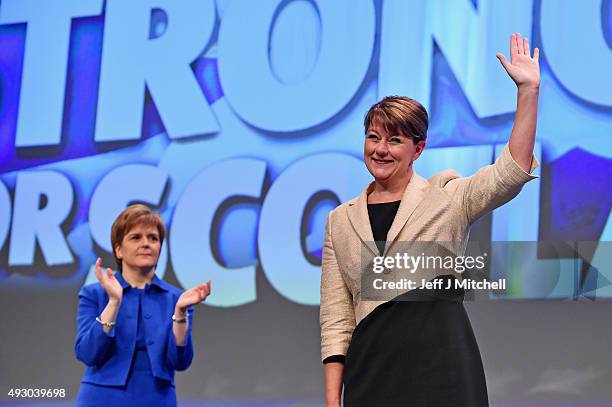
(358, 216)
(413, 195)
(358, 212)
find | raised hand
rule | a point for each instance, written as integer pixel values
(522, 68)
(108, 281)
(194, 296)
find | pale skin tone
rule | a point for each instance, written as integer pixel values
(390, 158)
(139, 252)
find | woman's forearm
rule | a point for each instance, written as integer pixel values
(179, 330)
(523, 134)
(109, 314)
(333, 383)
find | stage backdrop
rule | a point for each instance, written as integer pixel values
(242, 123)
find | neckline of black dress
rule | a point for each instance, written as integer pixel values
(385, 203)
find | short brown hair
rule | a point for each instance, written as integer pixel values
(399, 115)
(131, 216)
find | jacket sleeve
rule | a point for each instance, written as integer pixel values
(337, 316)
(179, 357)
(92, 344)
(491, 186)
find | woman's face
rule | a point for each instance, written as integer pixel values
(389, 157)
(140, 248)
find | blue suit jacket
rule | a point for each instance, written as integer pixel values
(108, 356)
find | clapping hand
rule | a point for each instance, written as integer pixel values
(522, 68)
(108, 281)
(194, 296)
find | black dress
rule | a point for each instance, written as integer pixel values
(417, 350)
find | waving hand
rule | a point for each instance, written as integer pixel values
(522, 68)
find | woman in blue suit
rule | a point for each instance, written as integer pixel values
(134, 330)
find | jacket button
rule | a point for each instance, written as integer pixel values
(151, 342)
(147, 316)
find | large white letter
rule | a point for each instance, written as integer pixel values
(31, 223)
(251, 82)
(190, 244)
(41, 102)
(130, 59)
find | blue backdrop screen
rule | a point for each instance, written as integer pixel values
(241, 121)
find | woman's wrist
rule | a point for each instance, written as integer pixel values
(114, 302)
(529, 87)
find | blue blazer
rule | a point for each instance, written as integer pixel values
(108, 356)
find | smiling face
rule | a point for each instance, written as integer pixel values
(389, 157)
(140, 247)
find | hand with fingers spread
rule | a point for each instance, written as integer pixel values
(108, 281)
(522, 68)
(193, 296)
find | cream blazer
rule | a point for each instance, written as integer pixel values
(439, 209)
